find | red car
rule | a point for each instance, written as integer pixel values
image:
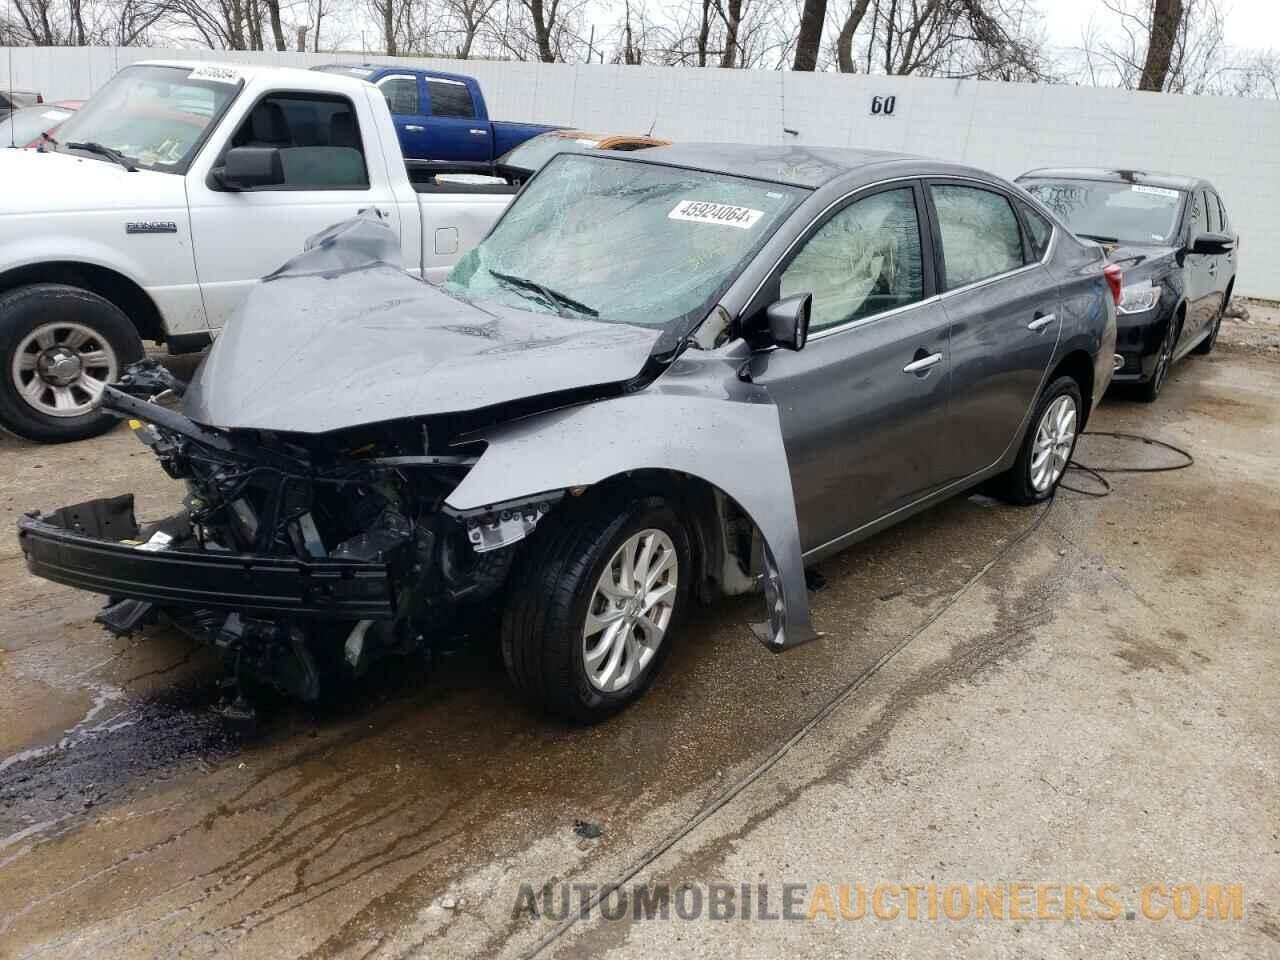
(23, 128)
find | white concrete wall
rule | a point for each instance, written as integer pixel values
(1007, 128)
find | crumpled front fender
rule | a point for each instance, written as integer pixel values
(698, 418)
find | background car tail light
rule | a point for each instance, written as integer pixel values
(1114, 277)
(39, 98)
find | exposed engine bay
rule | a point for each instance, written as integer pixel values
(363, 511)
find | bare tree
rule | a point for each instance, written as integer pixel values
(813, 19)
(848, 29)
(1166, 23)
(464, 20)
(1138, 53)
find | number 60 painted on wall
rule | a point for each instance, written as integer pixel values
(883, 106)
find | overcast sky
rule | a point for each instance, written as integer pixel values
(1249, 23)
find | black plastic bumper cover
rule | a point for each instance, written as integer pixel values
(191, 577)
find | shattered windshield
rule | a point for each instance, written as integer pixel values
(153, 117)
(622, 241)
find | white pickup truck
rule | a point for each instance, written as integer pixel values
(154, 209)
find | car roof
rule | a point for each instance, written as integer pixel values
(355, 69)
(251, 71)
(797, 165)
(1145, 178)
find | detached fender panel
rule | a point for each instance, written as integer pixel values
(698, 418)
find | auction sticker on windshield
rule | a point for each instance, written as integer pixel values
(704, 211)
(1156, 191)
(215, 74)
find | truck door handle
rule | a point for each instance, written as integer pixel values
(923, 364)
(479, 133)
(413, 127)
(1041, 321)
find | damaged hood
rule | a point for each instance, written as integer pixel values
(362, 342)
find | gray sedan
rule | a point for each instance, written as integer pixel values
(662, 377)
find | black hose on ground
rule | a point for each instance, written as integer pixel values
(1096, 473)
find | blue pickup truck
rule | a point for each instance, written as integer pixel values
(441, 117)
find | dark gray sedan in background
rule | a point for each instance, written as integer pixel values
(662, 376)
(1173, 240)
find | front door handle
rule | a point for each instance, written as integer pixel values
(1039, 323)
(479, 133)
(923, 363)
(413, 127)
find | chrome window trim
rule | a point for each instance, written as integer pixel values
(937, 297)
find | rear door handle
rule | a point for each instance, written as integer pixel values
(1039, 323)
(923, 364)
(413, 127)
(479, 133)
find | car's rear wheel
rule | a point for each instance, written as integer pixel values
(1048, 445)
(59, 346)
(595, 597)
(1149, 391)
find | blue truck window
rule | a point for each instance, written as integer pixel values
(450, 98)
(401, 94)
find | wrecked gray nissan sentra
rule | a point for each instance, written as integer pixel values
(604, 414)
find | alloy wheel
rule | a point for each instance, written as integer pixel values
(1164, 359)
(1055, 437)
(630, 610)
(61, 368)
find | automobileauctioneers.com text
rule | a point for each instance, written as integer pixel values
(887, 902)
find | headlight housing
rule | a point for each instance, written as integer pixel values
(1138, 297)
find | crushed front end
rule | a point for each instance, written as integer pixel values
(299, 557)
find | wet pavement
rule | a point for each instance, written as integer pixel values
(401, 819)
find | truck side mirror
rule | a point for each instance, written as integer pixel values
(245, 168)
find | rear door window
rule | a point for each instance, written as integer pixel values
(450, 98)
(980, 234)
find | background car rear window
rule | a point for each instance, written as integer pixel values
(980, 236)
(864, 260)
(450, 99)
(1039, 230)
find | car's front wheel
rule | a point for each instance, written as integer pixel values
(1149, 391)
(59, 346)
(595, 597)
(1048, 445)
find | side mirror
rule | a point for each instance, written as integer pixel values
(1212, 243)
(789, 321)
(245, 168)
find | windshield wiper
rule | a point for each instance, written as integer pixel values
(93, 146)
(1094, 236)
(45, 137)
(553, 297)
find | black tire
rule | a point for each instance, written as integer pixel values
(1148, 392)
(26, 309)
(1016, 485)
(552, 584)
(1205, 346)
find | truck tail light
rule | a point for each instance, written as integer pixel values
(1114, 277)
